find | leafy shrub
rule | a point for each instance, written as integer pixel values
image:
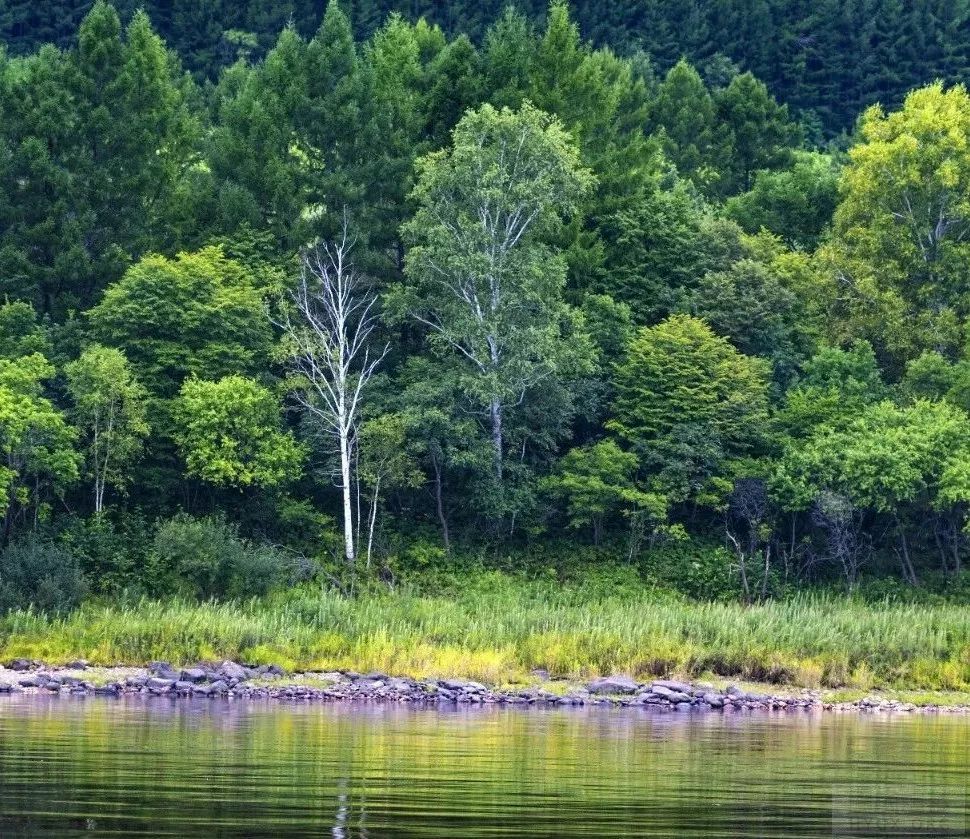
(39, 574)
(207, 558)
(113, 555)
(699, 571)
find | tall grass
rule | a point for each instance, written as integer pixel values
(499, 629)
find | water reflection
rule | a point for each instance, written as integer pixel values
(157, 767)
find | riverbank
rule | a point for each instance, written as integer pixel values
(232, 680)
(497, 629)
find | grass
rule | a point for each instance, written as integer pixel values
(497, 628)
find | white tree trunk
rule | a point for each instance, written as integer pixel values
(331, 355)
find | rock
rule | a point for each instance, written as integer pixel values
(460, 685)
(683, 706)
(106, 690)
(79, 664)
(5, 688)
(19, 664)
(193, 674)
(679, 687)
(30, 682)
(671, 695)
(231, 670)
(613, 684)
(715, 700)
(159, 685)
(183, 686)
(367, 685)
(218, 687)
(735, 692)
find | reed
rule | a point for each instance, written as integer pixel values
(500, 628)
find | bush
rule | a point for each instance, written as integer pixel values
(113, 555)
(39, 574)
(206, 558)
(697, 570)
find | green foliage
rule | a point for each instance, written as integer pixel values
(883, 459)
(109, 407)
(39, 574)
(20, 333)
(761, 133)
(795, 203)
(228, 432)
(836, 385)
(687, 400)
(596, 482)
(200, 313)
(36, 443)
(481, 277)
(521, 201)
(206, 558)
(900, 230)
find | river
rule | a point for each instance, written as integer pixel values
(157, 767)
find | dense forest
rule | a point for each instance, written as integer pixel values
(292, 293)
(827, 59)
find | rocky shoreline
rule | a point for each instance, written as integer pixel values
(232, 680)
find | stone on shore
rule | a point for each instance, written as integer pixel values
(613, 684)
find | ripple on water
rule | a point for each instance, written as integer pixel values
(127, 767)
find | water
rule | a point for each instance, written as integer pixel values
(88, 767)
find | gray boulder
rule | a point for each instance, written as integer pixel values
(193, 674)
(231, 670)
(671, 695)
(613, 684)
(460, 685)
(680, 687)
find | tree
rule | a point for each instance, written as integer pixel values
(199, 313)
(229, 433)
(447, 439)
(596, 482)
(327, 338)
(99, 140)
(36, 443)
(751, 304)
(109, 407)
(836, 385)
(762, 134)
(480, 276)
(663, 244)
(387, 461)
(901, 244)
(796, 204)
(259, 165)
(684, 113)
(687, 401)
(891, 461)
(20, 333)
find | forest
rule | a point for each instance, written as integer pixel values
(339, 297)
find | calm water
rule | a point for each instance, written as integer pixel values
(88, 767)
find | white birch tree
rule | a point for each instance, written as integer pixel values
(110, 407)
(327, 331)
